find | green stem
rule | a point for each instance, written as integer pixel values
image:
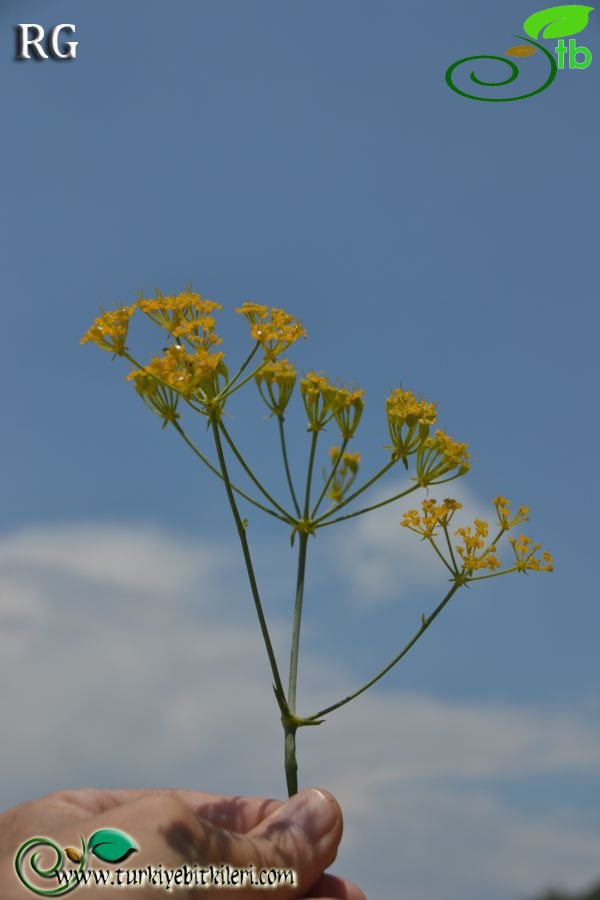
(356, 493)
(334, 469)
(293, 679)
(228, 393)
(244, 365)
(291, 763)
(286, 464)
(288, 518)
(278, 687)
(424, 626)
(493, 574)
(360, 512)
(450, 547)
(452, 571)
(309, 474)
(214, 469)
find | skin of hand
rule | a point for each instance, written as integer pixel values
(173, 827)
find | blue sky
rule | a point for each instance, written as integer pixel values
(308, 156)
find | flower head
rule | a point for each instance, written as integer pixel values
(320, 400)
(505, 520)
(439, 456)
(109, 331)
(254, 312)
(344, 471)
(276, 380)
(525, 556)
(183, 315)
(434, 516)
(349, 407)
(196, 376)
(408, 422)
(473, 551)
(274, 329)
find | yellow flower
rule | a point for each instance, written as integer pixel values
(434, 515)
(109, 331)
(472, 549)
(345, 471)
(504, 518)
(320, 400)
(408, 422)
(198, 332)
(195, 376)
(349, 407)
(254, 312)
(275, 333)
(525, 556)
(172, 312)
(160, 399)
(279, 379)
(439, 456)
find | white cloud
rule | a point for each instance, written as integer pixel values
(127, 557)
(113, 676)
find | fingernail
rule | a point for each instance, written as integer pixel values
(313, 812)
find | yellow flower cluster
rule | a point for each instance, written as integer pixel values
(348, 412)
(186, 315)
(525, 556)
(275, 329)
(433, 516)
(196, 376)
(345, 471)
(109, 331)
(472, 549)
(438, 456)
(324, 401)
(277, 378)
(318, 396)
(408, 422)
(188, 367)
(504, 517)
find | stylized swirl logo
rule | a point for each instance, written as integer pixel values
(554, 22)
(107, 844)
(33, 845)
(514, 73)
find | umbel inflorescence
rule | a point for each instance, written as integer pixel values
(192, 374)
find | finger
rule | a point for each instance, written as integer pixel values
(331, 887)
(302, 835)
(234, 813)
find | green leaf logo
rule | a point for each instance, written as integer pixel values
(111, 845)
(557, 21)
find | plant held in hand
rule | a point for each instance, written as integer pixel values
(191, 374)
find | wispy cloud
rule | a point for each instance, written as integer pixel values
(110, 675)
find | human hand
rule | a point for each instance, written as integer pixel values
(173, 828)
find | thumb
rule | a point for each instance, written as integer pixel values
(302, 834)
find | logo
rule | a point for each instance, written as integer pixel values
(108, 844)
(554, 22)
(30, 37)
